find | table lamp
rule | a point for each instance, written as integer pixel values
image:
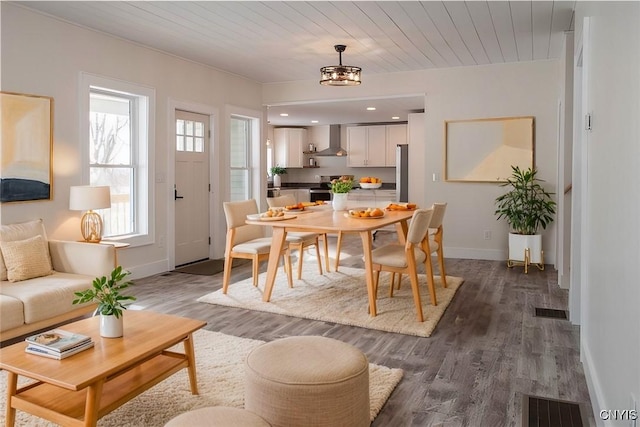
(87, 198)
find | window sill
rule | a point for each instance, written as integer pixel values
(133, 240)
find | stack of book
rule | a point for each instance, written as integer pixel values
(57, 344)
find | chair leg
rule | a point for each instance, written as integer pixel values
(432, 289)
(443, 273)
(254, 270)
(287, 267)
(317, 244)
(300, 249)
(376, 280)
(325, 239)
(392, 283)
(338, 246)
(416, 295)
(228, 262)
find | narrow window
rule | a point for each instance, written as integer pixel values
(118, 137)
(240, 144)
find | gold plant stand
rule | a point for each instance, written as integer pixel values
(527, 261)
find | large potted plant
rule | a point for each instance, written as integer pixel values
(276, 172)
(106, 292)
(527, 207)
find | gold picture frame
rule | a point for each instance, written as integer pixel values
(26, 147)
(483, 150)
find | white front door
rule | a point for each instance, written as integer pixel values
(191, 188)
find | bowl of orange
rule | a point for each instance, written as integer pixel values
(370, 182)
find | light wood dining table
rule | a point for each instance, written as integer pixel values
(330, 221)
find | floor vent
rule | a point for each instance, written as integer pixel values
(551, 313)
(543, 412)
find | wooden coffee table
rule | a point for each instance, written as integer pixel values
(78, 390)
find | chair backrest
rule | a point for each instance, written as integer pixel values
(281, 201)
(236, 215)
(438, 214)
(419, 226)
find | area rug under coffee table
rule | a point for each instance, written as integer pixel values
(220, 369)
(342, 298)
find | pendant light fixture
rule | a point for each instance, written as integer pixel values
(340, 75)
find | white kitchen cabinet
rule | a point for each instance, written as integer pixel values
(289, 145)
(303, 195)
(372, 198)
(396, 134)
(366, 146)
(299, 194)
(292, 192)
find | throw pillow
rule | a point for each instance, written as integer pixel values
(20, 231)
(26, 259)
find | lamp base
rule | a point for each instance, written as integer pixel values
(91, 227)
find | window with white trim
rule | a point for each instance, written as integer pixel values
(240, 155)
(118, 139)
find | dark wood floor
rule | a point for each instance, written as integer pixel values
(487, 351)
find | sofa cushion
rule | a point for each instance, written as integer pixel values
(20, 231)
(26, 259)
(11, 313)
(47, 297)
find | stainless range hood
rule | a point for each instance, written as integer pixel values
(334, 143)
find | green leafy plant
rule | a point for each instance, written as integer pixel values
(277, 170)
(342, 185)
(527, 206)
(106, 292)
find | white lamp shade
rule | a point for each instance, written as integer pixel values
(87, 197)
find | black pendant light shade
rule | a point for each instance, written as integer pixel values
(340, 75)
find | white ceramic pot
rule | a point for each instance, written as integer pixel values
(519, 242)
(277, 181)
(339, 201)
(111, 326)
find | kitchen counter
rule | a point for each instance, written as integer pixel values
(307, 185)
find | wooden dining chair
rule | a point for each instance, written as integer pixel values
(434, 245)
(302, 240)
(247, 241)
(404, 258)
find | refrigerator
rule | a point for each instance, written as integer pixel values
(402, 173)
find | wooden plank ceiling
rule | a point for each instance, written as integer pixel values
(276, 41)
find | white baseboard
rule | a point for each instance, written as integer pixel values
(595, 391)
(146, 270)
(486, 254)
(475, 253)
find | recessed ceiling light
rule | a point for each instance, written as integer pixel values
(314, 121)
(395, 118)
(284, 115)
(371, 108)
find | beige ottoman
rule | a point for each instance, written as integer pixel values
(308, 381)
(217, 416)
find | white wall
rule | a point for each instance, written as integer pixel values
(523, 89)
(610, 292)
(44, 56)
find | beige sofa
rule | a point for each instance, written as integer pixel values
(28, 303)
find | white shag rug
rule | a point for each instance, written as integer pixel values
(220, 370)
(342, 298)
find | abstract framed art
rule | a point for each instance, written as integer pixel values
(26, 145)
(483, 150)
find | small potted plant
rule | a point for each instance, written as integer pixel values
(106, 292)
(276, 172)
(340, 188)
(527, 207)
